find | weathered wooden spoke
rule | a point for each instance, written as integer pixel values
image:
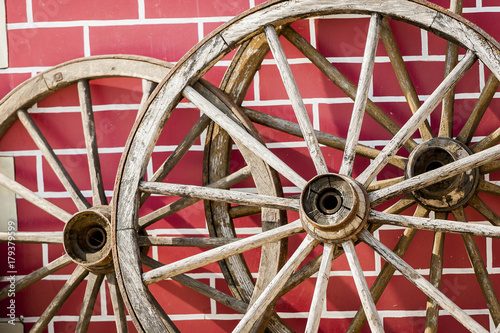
(483, 209)
(319, 295)
(56, 165)
(488, 187)
(93, 284)
(480, 269)
(434, 176)
(403, 76)
(361, 95)
(182, 203)
(220, 253)
(417, 119)
(421, 282)
(435, 276)
(87, 231)
(96, 182)
(38, 274)
(446, 125)
(117, 303)
(297, 102)
(62, 296)
(334, 208)
(273, 289)
(434, 225)
(326, 139)
(342, 81)
(480, 108)
(33, 237)
(207, 193)
(387, 272)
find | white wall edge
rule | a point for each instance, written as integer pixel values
(4, 52)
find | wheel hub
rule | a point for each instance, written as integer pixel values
(333, 208)
(449, 193)
(87, 239)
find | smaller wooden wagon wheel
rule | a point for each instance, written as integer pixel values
(85, 228)
(342, 201)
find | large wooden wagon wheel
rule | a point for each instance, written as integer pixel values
(441, 173)
(85, 228)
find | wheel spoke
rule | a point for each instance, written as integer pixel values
(243, 211)
(34, 198)
(182, 148)
(341, 81)
(201, 288)
(93, 284)
(75, 279)
(434, 224)
(491, 167)
(117, 303)
(485, 98)
(220, 253)
(480, 269)
(56, 165)
(214, 194)
(386, 272)
(435, 277)
(39, 274)
(488, 187)
(416, 120)
(182, 203)
(380, 184)
(96, 182)
(319, 295)
(272, 290)
(403, 76)
(434, 176)
(33, 237)
(487, 142)
(446, 125)
(296, 100)
(323, 138)
(358, 110)
(147, 90)
(184, 241)
(363, 291)
(483, 209)
(420, 282)
(243, 137)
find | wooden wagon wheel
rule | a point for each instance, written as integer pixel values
(443, 174)
(86, 234)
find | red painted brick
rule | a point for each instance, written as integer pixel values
(194, 8)
(28, 257)
(75, 165)
(9, 81)
(486, 21)
(191, 217)
(168, 254)
(164, 41)
(178, 126)
(417, 324)
(25, 169)
(94, 326)
(342, 294)
(496, 256)
(303, 292)
(326, 325)
(419, 253)
(103, 91)
(65, 44)
(408, 39)
(400, 294)
(64, 10)
(16, 11)
(348, 40)
(311, 82)
(215, 326)
(32, 218)
(175, 298)
(187, 171)
(463, 290)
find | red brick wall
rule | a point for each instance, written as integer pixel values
(43, 33)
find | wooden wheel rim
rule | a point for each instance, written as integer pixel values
(92, 252)
(203, 56)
